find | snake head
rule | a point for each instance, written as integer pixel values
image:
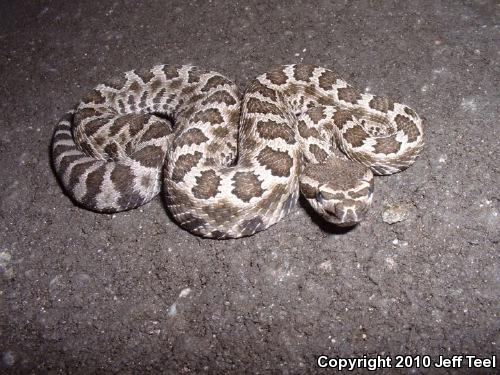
(339, 190)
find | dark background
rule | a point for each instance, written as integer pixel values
(82, 292)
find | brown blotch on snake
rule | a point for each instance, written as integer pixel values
(272, 130)
(247, 186)
(212, 116)
(184, 164)
(206, 185)
(278, 162)
(408, 127)
(382, 104)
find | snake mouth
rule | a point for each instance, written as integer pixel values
(342, 218)
(339, 222)
(347, 224)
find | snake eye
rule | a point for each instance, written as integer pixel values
(319, 197)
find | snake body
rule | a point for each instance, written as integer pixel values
(231, 167)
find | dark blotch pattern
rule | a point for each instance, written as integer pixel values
(143, 99)
(194, 98)
(211, 115)
(184, 164)
(217, 234)
(92, 127)
(318, 153)
(132, 121)
(327, 80)
(214, 82)
(303, 72)
(387, 145)
(84, 113)
(222, 212)
(257, 87)
(171, 71)
(132, 103)
(327, 101)
(156, 130)
(305, 131)
(258, 106)
(122, 177)
(147, 181)
(340, 118)
(233, 117)
(277, 76)
(220, 131)
(87, 148)
(191, 222)
(67, 160)
(94, 96)
(219, 97)
(206, 185)
(316, 114)
(150, 156)
(355, 135)
(278, 162)
(246, 186)
(93, 185)
(111, 150)
(410, 112)
(408, 127)
(159, 96)
(136, 126)
(135, 87)
(272, 130)
(78, 170)
(121, 105)
(271, 201)
(382, 104)
(192, 136)
(349, 94)
(116, 83)
(175, 84)
(155, 85)
(307, 190)
(194, 76)
(145, 74)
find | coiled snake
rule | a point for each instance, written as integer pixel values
(231, 168)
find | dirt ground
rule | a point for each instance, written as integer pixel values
(82, 292)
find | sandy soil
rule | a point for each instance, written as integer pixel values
(82, 292)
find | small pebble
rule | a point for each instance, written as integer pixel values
(7, 271)
(395, 213)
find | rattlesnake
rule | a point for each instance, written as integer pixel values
(301, 128)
